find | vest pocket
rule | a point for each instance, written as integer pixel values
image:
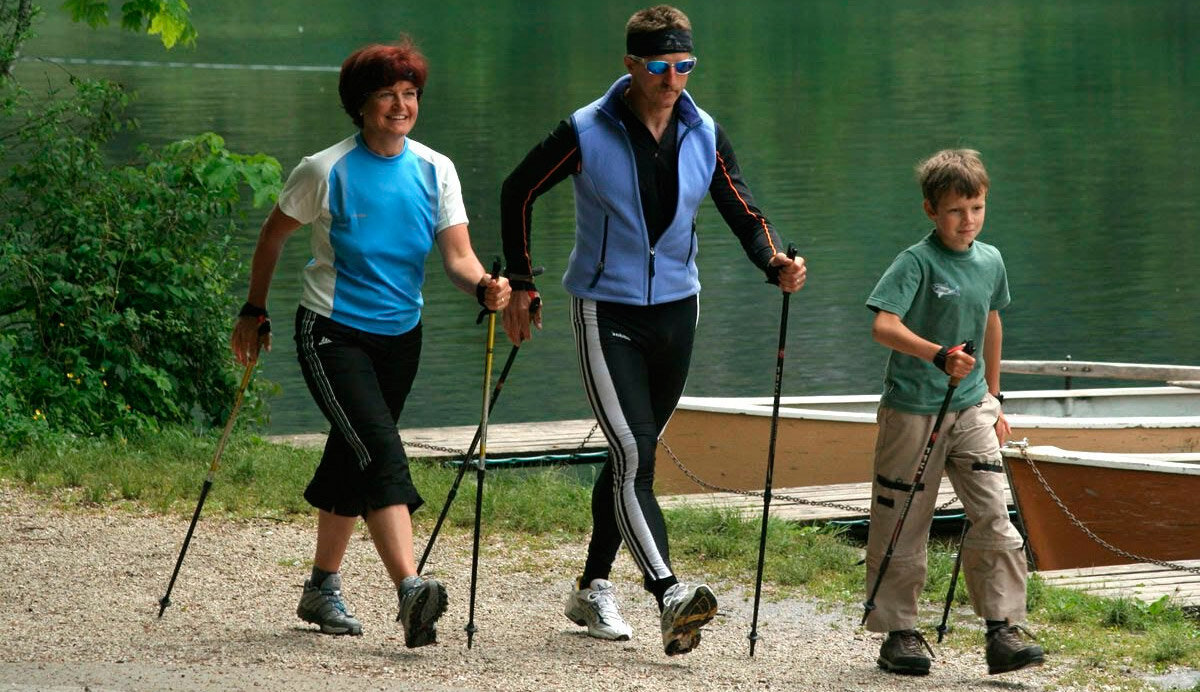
(603, 252)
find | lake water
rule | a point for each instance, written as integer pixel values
(1083, 111)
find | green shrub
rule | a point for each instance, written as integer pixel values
(115, 300)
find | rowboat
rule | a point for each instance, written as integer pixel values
(825, 440)
(1073, 503)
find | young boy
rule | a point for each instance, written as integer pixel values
(939, 293)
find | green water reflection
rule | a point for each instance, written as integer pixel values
(1083, 111)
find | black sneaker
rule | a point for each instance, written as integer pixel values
(1007, 650)
(903, 652)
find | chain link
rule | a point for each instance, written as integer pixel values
(1091, 534)
(462, 452)
(855, 509)
(436, 448)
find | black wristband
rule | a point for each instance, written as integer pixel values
(521, 285)
(251, 310)
(940, 359)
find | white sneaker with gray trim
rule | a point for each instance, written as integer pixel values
(686, 608)
(596, 607)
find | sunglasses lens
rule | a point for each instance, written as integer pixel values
(657, 66)
(685, 66)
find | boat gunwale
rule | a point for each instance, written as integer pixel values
(1156, 463)
(798, 407)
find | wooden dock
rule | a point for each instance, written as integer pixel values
(855, 496)
(1143, 581)
(514, 441)
(505, 440)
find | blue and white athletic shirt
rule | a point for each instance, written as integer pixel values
(374, 219)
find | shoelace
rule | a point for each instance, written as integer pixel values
(605, 604)
(1009, 632)
(334, 597)
(910, 639)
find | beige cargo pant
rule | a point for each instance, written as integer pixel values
(993, 563)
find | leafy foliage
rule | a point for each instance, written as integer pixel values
(169, 19)
(114, 279)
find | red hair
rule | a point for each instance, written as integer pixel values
(376, 66)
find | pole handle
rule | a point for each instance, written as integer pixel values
(967, 347)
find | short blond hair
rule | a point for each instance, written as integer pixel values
(960, 170)
(657, 18)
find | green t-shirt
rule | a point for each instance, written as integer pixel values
(943, 296)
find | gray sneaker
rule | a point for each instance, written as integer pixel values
(686, 608)
(322, 605)
(422, 602)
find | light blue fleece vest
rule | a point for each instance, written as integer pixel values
(612, 259)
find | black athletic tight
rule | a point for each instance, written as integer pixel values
(634, 361)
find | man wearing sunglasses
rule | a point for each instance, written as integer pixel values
(642, 157)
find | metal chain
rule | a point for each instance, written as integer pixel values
(461, 452)
(696, 479)
(436, 448)
(1090, 534)
(753, 493)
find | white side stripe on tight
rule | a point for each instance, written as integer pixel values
(603, 396)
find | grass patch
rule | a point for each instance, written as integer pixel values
(538, 509)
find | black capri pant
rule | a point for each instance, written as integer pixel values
(360, 381)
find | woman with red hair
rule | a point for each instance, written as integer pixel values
(377, 202)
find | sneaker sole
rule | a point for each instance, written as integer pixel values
(331, 629)
(685, 628)
(421, 629)
(902, 670)
(1031, 663)
(598, 634)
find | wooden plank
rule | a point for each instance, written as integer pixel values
(505, 440)
(853, 494)
(1116, 371)
(1143, 581)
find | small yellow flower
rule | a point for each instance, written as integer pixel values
(70, 375)
(104, 382)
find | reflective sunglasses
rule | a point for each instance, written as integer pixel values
(657, 67)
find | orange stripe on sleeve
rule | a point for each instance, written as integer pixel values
(761, 219)
(528, 204)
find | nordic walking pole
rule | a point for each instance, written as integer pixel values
(462, 468)
(969, 348)
(762, 541)
(941, 629)
(481, 465)
(208, 481)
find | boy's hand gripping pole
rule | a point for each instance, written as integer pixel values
(968, 347)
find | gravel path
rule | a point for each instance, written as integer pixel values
(81, 590)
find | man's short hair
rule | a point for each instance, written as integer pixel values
(657, 18)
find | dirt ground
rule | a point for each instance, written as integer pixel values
(83, 586)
